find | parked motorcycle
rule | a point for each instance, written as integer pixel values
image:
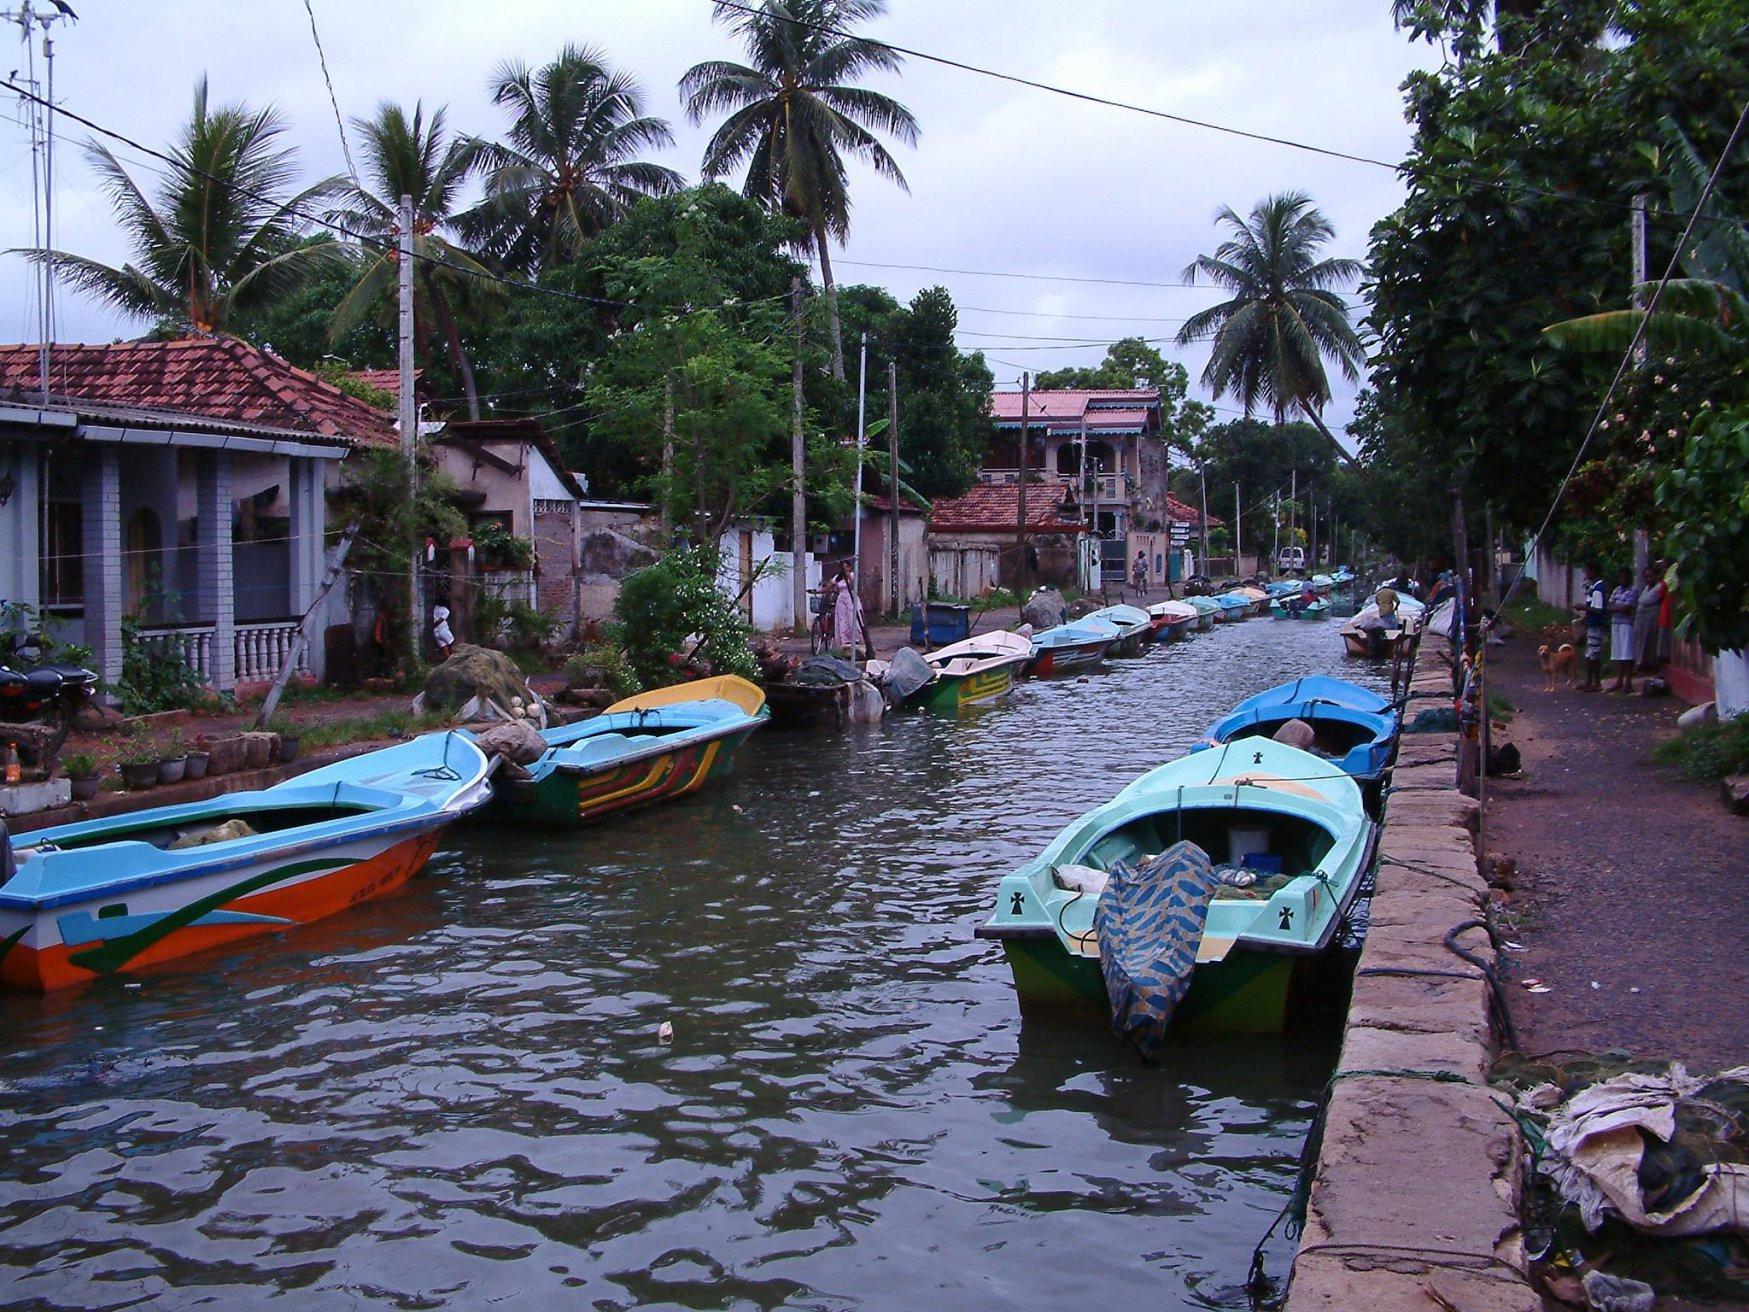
(49, 696)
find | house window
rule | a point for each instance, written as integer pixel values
(63, 558)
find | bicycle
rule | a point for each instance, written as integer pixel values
(820, 631)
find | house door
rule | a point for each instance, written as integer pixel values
(143, 557)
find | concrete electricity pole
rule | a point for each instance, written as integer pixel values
(798, 500)
(409, 417)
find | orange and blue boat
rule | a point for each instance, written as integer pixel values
(116, 895)
(648, 748)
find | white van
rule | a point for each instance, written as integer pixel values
(1291, 560)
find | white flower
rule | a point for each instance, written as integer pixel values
(1604, 424)
(1658, 379)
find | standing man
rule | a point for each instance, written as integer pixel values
(1595, 609)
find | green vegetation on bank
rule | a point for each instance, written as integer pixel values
(1709, 753)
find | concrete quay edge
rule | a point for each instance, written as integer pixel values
(1414, 1202)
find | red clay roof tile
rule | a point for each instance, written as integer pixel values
(219, 378)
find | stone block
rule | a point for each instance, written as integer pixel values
(1418, 776)
(1735, 791)
(27, 799)
(227, 755)
(1416, 1165)
(1403, 909)
(1347, 1281)
(1421, 1004)
(1422, 948)
(1441, 808)
(1462, 1053)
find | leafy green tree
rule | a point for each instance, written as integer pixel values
(298, 324)
(674, 623)
(793, 115)
(1284, 316)
(944, 398)
(1706, 497)
(221, 237)
(1263, 460)
(703, 248)
(412, 157)
(571, 167)
(1520, 182)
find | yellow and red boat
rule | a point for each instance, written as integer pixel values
(106, 896)
(648, 748)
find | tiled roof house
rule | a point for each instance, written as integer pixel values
(181, 484)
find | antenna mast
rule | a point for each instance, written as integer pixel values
(42, 164)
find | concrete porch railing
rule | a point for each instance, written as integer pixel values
(260, 649)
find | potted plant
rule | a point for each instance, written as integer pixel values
(81, 771)
(172, 760)
(139, 767)
(288, 737)
(199, 757)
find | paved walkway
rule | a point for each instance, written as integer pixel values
(1632, 883)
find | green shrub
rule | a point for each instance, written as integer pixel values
(154, 677)
(621, 679)
(1709, 753)
(79, 765)
(664, 604)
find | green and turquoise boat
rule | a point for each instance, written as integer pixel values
(1294, 841)
(644, 749)
(973, 670)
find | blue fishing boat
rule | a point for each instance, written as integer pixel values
(1208, 611)
(644, 749)
(1291, 608)
(1293, 842)
(1133, 626)
(1358, 741)
(1233, 607)
(1070, 647)
(113, 895)
(1318, 687)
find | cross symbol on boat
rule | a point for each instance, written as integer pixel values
(1018, 904)
(1257, 758)
(1287, 918)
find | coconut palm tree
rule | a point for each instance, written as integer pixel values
(1271, 338)
(410, 157)
(221, 235)
(570, 167)
(793, 116)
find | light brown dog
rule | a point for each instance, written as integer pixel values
(1557, 661)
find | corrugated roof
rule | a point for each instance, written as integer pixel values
(221, 379)
(994, 508)
(1046, 407)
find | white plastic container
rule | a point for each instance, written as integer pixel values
(1240, 842)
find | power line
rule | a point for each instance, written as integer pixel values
(339, 123)
(1405, 170)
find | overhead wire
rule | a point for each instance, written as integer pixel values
(1185, 120)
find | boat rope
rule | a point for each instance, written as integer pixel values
(1445, 1258)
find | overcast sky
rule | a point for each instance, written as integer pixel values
(1009, 180)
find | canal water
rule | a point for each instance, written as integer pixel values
(456, 1096)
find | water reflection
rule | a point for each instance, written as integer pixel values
(456, 1096)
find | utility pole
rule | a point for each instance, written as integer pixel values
(1203, 474)
(893, 484)
(798, 499)
(1312, 526)
(1642, 538)
(667, 454)
(409, 417)
(1238, 522)
(1020, 520)
(861, 439)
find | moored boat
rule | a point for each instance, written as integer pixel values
(1257, 598)
(1295, 843)
(1069, 647)
(1208, 612)
(1318, 687)
(112, 895)
(824, 692)
(1172, 621)
(1292, 609)
(648, 748)
(1233, 607)
(1357, 740)
(1132, 623)
(1370, 636)
(974, 670)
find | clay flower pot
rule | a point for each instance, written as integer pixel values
(84, 787)
(288, 748)
(171, 771)
(136, 775)
(196, 765)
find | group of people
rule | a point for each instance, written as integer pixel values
(1633, 619)
(841, 612)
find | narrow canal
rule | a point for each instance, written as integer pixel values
(456, 1097)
